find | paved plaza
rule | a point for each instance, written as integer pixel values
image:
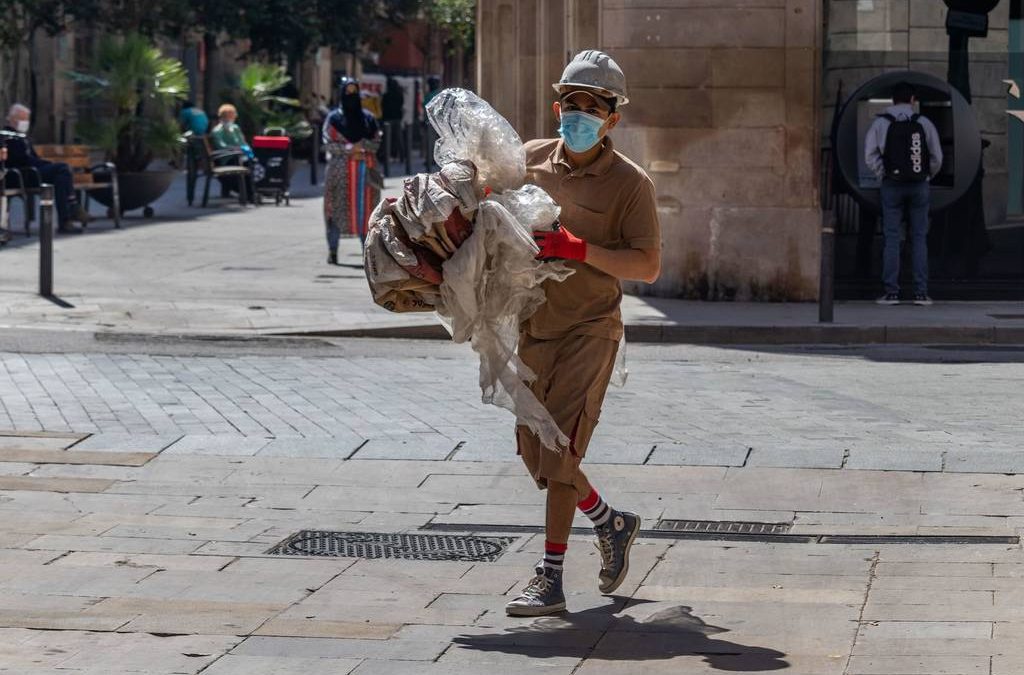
(162, 447)
(136, 529)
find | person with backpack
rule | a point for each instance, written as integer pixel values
(903, 149)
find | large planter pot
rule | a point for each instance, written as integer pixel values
(137, 190)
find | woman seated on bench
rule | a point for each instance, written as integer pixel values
(227, 135)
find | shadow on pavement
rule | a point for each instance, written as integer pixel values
(607, 633)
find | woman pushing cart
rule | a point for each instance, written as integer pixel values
(351, 185)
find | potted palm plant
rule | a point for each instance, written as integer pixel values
(261, 105)
(135, 88)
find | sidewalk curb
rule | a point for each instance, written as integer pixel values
(739, 335)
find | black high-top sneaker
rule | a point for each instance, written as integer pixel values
(614, 539)
(543, 595)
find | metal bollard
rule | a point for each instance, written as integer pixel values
(46, 241)
(408, 149)
(389, 132)
(826, 282)
(315, 158)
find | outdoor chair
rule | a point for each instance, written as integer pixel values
(213, 169)
(13, 186)
(87, 176)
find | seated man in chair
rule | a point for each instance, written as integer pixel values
(23, 158)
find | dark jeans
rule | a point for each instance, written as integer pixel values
(912, 201)
(57, 174)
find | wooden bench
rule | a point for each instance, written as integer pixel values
(88, 174)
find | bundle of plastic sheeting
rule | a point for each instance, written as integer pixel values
(444, 246)
(491, 285)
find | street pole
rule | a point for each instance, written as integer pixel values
(46, 241)
(315, 158)
(408, 149)
(826, 281)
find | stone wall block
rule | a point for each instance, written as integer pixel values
(748, 68)
(664, 67)
(664, 107)
(753, 108)
(801, 87)
(802, 23)
(686, 245)
(723, 187)
(767, 254)
(696, 27)
(710, 148)
(927, 14)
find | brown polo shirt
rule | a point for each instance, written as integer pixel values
(609, 203)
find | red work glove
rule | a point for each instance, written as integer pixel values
(560, 244)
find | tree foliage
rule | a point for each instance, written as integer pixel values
(260, 105)
(136, 87)
(456, 17)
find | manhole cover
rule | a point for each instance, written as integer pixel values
(723, 527)
(387, 545)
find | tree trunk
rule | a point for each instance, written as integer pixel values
(209, 54)
(33, 83)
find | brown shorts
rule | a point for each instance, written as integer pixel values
(572, 378)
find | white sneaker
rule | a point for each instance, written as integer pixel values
(888, 299)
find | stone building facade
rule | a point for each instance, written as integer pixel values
(724, 115)
(731, 106)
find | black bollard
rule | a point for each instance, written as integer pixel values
(46, 241)
(408, 149)
(826, 282)
(314, 158)
(389, 132)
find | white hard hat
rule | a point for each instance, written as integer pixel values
(595, 71)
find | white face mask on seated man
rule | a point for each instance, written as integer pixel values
(22, 126)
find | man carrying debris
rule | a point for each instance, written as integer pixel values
(608, 232)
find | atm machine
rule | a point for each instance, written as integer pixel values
(939, 102)
(858, 256)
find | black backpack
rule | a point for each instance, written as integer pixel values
(907, 159)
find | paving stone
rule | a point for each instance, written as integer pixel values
(618, 451)
(332, 648)
(919, 665)
(337, 447)
(415, 446)
(320, 628)
(233, 664)
(124, 442)
(142, 560)
(68, 457)
(697, 455)
(217, 445)
(488, 450)
(113, 544)
(949, 630)
(446, 667)
(54, 484)
(33, 443)
(899, 460)
(812, 458)
(984, 461)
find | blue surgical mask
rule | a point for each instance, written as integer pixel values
(580, 131)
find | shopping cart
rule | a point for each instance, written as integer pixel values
(271, 171)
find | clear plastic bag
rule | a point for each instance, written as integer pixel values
(531, 206)
(491, 285)
(469, 129)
